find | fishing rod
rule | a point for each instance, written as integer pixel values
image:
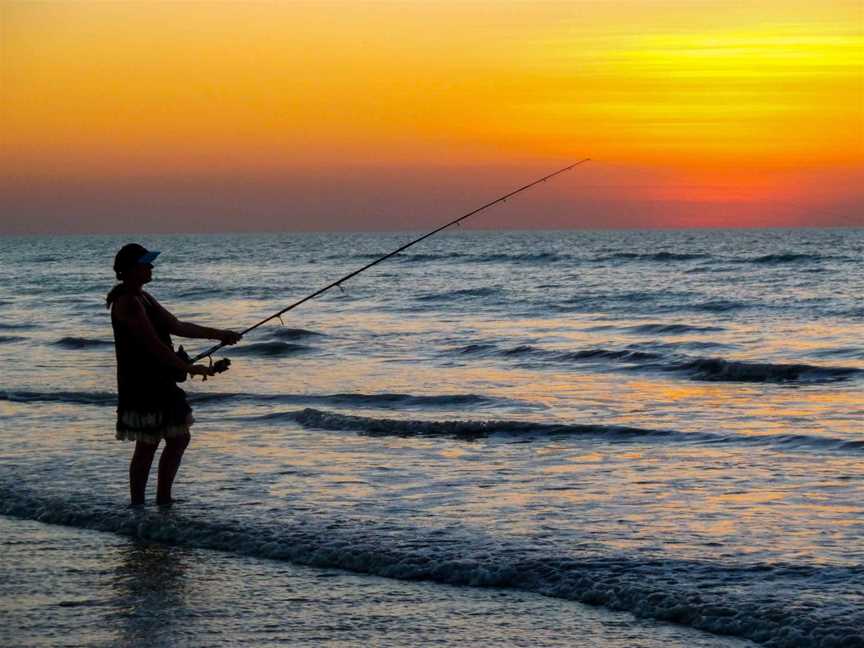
(209, 352)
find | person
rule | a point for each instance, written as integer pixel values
(151, 407)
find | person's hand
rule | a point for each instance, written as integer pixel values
(229, 337)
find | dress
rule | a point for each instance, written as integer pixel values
(150, 405)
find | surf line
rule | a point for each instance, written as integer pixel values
(338, 283)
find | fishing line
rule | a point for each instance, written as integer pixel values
(339, 282)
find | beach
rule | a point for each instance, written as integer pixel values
(94, 589)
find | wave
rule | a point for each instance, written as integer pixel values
(76, 343)
(625, 355)
(404, 257)
(708, 369)
(551, 355)
(788, 257)
(672, 329)
(532, 257)
(463, 293)
(477, 348)
(469, 429)
(272, 349)
(720, 370)
(383, 400)
(521, 350)
(654, 256)
(644, 302)
(403, 400)
(770, 259)
(75, 397)
(659, 302)
(426, 257)
(473, 429)
(743, 599)
(4, 326)
(676, 347)
(6, 339)
(459, 429)
(699, 345)
(292, 333)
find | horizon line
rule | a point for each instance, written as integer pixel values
(463, 229)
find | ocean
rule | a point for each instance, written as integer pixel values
(581, 438)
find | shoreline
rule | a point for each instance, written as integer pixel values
(90, 588)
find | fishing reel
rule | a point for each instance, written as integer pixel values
(220, 366)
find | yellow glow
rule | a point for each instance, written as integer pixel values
(774, 94)
(103, 89)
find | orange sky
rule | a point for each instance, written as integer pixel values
(212, 116)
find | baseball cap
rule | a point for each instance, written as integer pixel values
(132, 254)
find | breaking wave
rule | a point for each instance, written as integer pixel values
(746, 599)
(465, 429)
(380, 401)
(383, 401)
(472, 429)
(718, 369)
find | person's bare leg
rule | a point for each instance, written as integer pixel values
(139, 470)
(169, 462)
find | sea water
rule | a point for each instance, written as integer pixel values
(530, 438)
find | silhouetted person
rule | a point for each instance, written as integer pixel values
(151, 406)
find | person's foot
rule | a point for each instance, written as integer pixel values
(168, 502)
(135, 505)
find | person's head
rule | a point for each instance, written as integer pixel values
(133, 264)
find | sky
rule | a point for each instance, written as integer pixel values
(150, 116)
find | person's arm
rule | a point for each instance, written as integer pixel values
(130, 311)
(190, 330)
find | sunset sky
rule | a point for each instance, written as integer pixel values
(151, 116)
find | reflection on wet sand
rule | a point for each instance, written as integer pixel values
(150, 583)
